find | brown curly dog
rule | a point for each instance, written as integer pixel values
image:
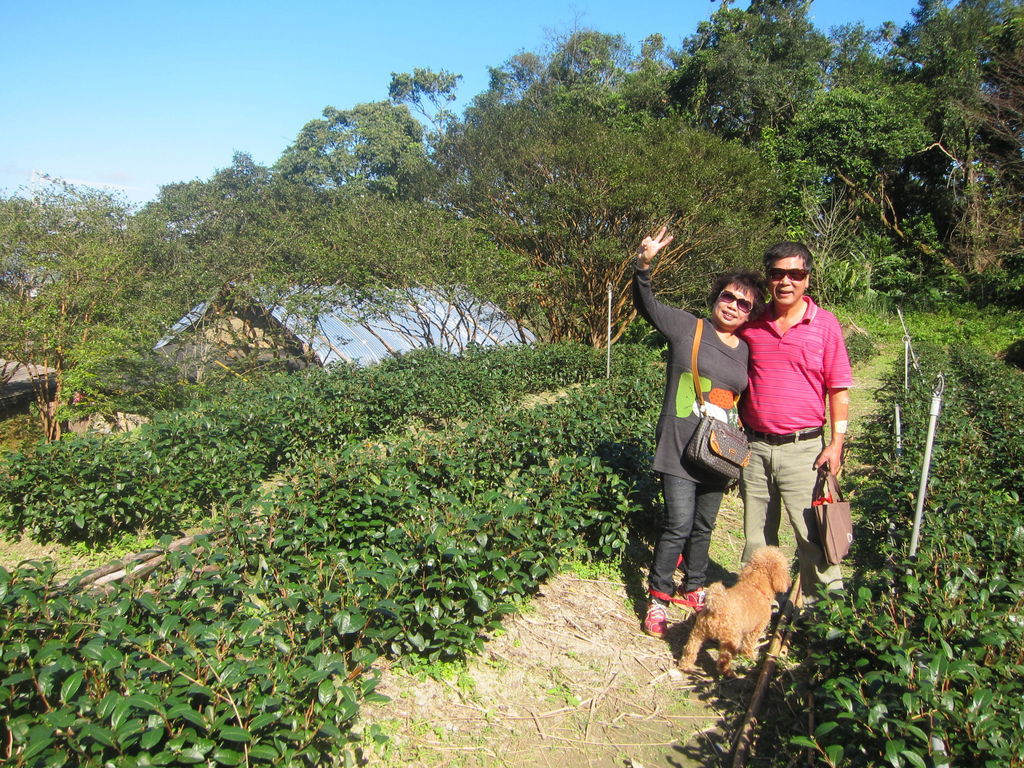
(736, 617)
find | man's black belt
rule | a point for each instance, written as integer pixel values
(792, 437)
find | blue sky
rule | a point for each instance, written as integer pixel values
(140, 94)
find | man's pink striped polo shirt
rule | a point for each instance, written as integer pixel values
(791, 373)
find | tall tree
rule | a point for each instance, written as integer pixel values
(860, 141)
(72, 281)
(950, 50)
(240, 228)
(376, 147)
(427, 92)
(585, 68)
(573, 194)
(746, 71)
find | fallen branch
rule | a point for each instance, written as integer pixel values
(145, 562)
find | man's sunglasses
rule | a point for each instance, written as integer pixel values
(742, 305)
(796, 275)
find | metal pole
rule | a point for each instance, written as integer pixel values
(899, 431)
(933, 413)
(608, 357)
(906, 363)
(908, 352)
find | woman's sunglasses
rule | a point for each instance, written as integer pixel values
(742, 305)
(796, 275)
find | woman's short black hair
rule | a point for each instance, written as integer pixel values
(751, 282)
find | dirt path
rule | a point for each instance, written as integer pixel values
(572, 681)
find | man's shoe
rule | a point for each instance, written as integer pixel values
(694, 599)
(656, 621)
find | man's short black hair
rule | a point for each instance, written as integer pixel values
(785, 250)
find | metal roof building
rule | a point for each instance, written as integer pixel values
(413, 319)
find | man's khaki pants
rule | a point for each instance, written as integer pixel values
(785, 475)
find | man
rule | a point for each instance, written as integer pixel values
(798, 359)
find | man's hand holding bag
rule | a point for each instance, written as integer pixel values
(835, 525)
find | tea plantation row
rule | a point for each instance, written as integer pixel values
(187, 464)
(258, 651)
(922, 662)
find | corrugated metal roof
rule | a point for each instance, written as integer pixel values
(419, 318)
(193, 317)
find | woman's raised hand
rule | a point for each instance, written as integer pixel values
(650, 246)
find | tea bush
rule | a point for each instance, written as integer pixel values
(209, 663)
(186, 464)
(921, 662)
(259, 650)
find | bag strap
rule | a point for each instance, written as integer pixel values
(693, 363)
(818, 492)
(825, 478)
(833, 486)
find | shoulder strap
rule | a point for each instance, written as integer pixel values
(693, 362)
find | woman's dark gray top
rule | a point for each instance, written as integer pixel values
(722, 369)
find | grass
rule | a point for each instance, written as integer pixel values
(593, 570)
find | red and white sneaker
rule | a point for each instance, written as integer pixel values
(694, 599)
(656, 621)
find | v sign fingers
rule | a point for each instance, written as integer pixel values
(650, 246)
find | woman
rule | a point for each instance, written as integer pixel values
(692, 496)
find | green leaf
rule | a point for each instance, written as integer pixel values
(263, 752)
(151, 738)
(187, 713)
(835, 753)
(71, 685)
(263, 720)
(825, 728)
(228, 756)
(96, 733)
(39, 738)
(325, 691)
(893, 750)
(191, 755)
(234, 733)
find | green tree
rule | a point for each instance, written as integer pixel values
(376, 147)
(74, 288)
(585, 70)
(951, 51)
(429, 93)
(242, 228)
(860, 141)
(746, 71)
(386, 253)
(573, 194)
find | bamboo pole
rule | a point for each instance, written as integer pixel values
(146, 561)
(780, 641)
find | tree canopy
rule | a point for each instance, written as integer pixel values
(895, 152)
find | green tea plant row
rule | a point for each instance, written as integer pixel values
(258, 652)
(187, 463)
(922, 662)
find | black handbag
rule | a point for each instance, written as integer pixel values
(715, 446)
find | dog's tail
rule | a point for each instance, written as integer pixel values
(713, 596)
